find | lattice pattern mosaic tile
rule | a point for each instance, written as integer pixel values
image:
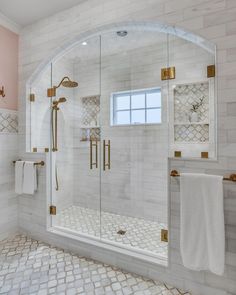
(8, 121)
(90, 110)
(32, 267)
(185, 96)
(192, 133)
(139, 233)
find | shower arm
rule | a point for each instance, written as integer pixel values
(63, 79)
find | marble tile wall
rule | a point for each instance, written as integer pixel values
(8, 153)
(214, 20)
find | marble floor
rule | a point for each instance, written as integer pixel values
(139, 233)
(29, 266)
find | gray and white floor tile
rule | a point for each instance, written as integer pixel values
(137, 232)
(29, 266)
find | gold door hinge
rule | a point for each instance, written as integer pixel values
(211, 71)
(164, 235)
(168, 73)
(32, 97)
(35, 150)
(53, 210)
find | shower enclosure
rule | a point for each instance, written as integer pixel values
(109, 137)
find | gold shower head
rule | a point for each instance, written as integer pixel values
(69, 84)
(61, 99)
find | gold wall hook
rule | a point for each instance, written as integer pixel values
(2, 92)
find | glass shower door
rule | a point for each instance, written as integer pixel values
(134, 133)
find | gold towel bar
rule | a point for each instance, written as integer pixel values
(41, 163)
(232, 177)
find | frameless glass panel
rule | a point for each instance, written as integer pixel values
(154, 116)
(76, 161)
(122, 102)
(122, 117)
(153, 99)
(138, 116)
(138, 101)
(39, 105)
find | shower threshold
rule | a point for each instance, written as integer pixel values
(134, 234)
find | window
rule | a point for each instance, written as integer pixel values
(136, 107)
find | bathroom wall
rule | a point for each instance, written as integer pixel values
(214, 20)
(9, 68)
(8, 131)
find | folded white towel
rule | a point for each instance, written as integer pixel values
(202, 232)
(19, 177)
(30, 178)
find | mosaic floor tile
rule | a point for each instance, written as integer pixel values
(139, 233)
(32, 267)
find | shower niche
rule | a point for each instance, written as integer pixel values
(90, 109)
(122, 112)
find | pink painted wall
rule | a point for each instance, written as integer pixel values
(9, 68)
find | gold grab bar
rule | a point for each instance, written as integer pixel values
(91, 154)
(41, 163)
(232, 177)
(108, 164)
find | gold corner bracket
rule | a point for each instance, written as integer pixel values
(204, 155)
(32, 97)
(168, 73)
(178, 154)
(211, 71)
(53, 210)
(164, 235)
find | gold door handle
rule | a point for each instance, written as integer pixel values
(108, 146)
(91, 154)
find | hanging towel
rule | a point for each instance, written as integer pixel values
(202, 232)
(30, 178)
(19, 166)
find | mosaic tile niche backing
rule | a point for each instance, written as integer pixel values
(90, 118)
(8, 121)
(186, 98)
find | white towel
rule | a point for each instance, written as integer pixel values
(202, 232)
(30, 178)
(19, 165)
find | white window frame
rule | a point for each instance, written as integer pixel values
(113, 110)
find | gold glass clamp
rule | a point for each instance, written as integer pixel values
(108, 146)
(92, 144)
